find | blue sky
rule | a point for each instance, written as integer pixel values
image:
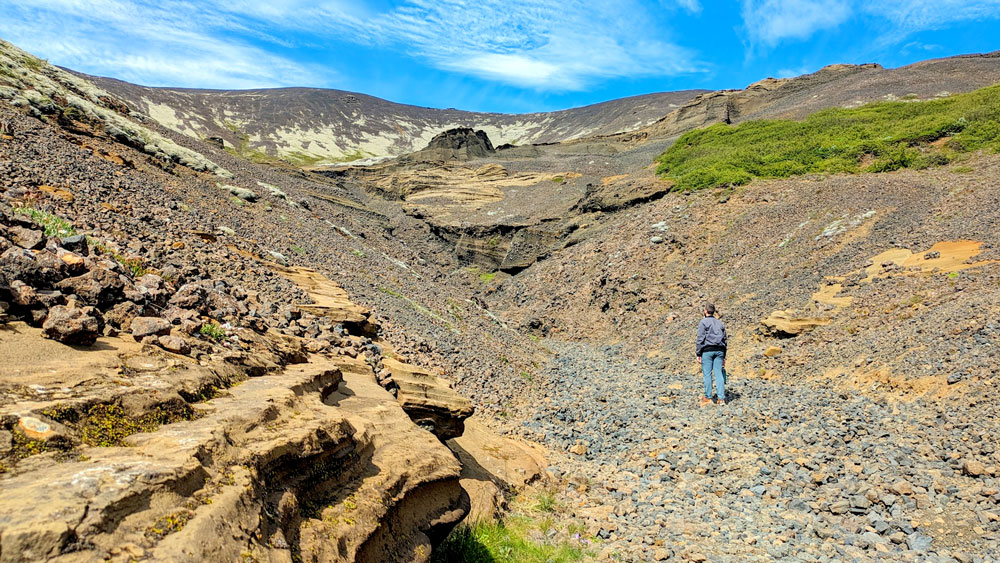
(490, 55)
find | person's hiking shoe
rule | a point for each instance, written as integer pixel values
(705, 401)
(722, 402)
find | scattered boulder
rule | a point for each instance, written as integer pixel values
(99, 287)
(149, 326)
(73, 325)
(27, 238)
(75, 243)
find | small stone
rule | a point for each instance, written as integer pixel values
(656, 239)
(662, 554)
(579, 449)
(174, 344)
(840, 507)
(149, 326)
(918, 542)
(973, 468)
(27, 238)
(43, 431)
(72, 260)
(772, 351)
(902, 488)
(34, 428)
(75, 243)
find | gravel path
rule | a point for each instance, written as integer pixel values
(792, 472)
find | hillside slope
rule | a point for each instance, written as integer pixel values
(840, 85)
(307, 125)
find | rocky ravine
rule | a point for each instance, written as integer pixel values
(861, 312)
(174, 387)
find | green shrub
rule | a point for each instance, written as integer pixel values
(213, 331)
(890, 135)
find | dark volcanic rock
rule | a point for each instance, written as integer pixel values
(463, 137)
(98, 287)
(461, 143)
(72, 325)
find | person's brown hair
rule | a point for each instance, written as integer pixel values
(710, 309)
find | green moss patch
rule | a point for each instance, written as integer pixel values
(107, 425)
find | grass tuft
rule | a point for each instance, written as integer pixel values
(501, 542)
(54, 225)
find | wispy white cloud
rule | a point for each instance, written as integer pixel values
(772, 21)
(693, 6)
(528, 43)
(174, 43)
(920, 15)
(535, 43)
(769, 22)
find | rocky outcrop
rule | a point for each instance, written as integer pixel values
(272, 470)
(317, 462)
(492, 467)
(459, 144)
(428, 399)
(464, 141)
(786, 324)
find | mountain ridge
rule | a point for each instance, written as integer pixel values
(315, 125)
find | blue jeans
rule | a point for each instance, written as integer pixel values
(712, 361)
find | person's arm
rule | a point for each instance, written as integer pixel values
(699, 343)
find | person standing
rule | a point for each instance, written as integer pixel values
(711, 349)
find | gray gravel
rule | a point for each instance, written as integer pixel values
(784, 472)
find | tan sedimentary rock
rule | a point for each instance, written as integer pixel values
(428, 399)
(274, 470)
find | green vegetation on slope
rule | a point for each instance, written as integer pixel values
(878, 137)
(502, 542)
